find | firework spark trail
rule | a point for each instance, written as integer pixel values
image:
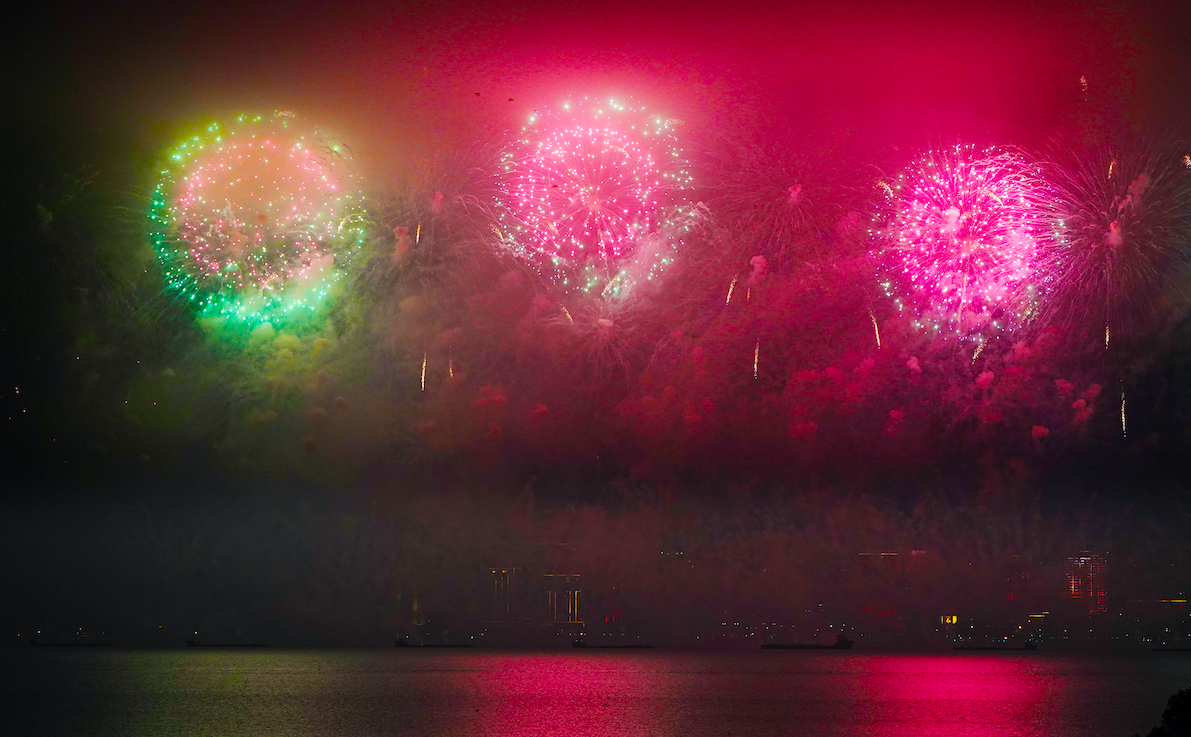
(585, 185)
(876, 330)
(773, 201)
(425, 356)
(962, 240)
(446, 208)
(756, 358)
(1123, 251)
(253, 221)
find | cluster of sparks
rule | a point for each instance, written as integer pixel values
(771, 198)
(1126, 237)
(590, 187)
(250, 218)
(964, 237)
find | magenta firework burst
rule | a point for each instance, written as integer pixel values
(962, 239)
(585, 185)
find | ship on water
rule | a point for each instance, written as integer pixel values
(841, 643)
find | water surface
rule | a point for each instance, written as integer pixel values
(336, 693)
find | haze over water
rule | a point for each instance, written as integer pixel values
(695, 694)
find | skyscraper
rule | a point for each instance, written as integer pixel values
(562, 598)
(1087, 581)
(504, 590)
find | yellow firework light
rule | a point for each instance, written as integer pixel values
(424, 356)
(418, 235)
(876, 330)
(730, 288)
(756, 357)
(979, 350)
(567, 312)
(1124, 428)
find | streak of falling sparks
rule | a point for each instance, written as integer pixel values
(876, 330)
(1187, 161)
(567, 312)
(748, 294)
(450, 365)
(1124, 429)
(979, 350)
(756, 357)
(418, 234)
(1111, 165)
(730, 288)
(1106, 335)
(424, 355)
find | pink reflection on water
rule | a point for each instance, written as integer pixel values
(596, 694)
(615, 693)
(954, 695)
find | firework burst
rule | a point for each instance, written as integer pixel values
(585, 187)
(962, 241)
(775, 202)
(1124, 248)
(444, 207)
(253, 221)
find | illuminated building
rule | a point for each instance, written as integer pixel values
(1087, 581)
(504, 591)
(562, 598)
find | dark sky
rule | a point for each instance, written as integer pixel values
(96, 91)
(866, 74)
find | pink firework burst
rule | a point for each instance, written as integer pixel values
(963, 238)
(584, 185)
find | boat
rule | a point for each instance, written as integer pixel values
(581, 645)
(1026, 646)
(841, 643)
(402, 642)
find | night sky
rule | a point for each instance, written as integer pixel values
(440, 418)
